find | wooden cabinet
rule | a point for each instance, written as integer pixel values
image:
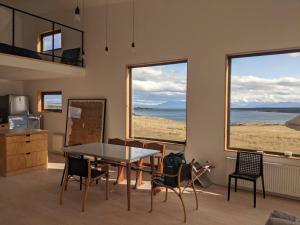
(4, 126)
(22, 150)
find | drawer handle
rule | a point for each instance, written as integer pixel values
(28, 153)
(27, 135)
(27, 141)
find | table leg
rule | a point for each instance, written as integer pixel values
(128, 168)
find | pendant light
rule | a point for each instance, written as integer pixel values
(83, 27)
(106, 27)
(133, 26)
(77, 13)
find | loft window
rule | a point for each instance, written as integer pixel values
(263, 108)
(47, 38)
(158, 102)
(52, 101)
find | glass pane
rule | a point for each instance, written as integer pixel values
(52, 102)
(159, 102)
(47, 42)
(265, 103)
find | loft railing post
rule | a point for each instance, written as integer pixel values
(13, 27)
(82, 49)
(53, 27)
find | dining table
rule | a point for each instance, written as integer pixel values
(111, 153)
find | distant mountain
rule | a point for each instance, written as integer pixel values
(266, 105)
(172, 105)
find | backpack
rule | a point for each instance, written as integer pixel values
(172, 163)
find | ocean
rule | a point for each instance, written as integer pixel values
(236, 116)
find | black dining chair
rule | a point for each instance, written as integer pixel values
(250, 167)
(77, 166)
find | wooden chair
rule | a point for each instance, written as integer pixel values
(78, 166)
(161, 148)
(250, 167)
(184, 177)
(137, 166)
(121, 171)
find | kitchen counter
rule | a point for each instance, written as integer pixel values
(15, 132)
(23, 150)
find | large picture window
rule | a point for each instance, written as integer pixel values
(48, 37)
(264, 102)
(158, 101)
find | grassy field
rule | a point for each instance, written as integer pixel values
(158, 128)
(276, 138)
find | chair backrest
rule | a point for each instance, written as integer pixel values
(249, 163)
(116, 141)
(156, 146)
(71, 56)
(77, 166)
(134, 143)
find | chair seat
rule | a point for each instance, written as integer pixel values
(97, 173)
(245, 176)
(161, 181)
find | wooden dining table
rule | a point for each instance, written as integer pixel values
(117, 154)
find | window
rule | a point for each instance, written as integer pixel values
(158, 102)
(264, 102)
(46, 40)
(51, 101)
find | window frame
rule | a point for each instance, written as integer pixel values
(43, 93)
(129, 90)
(49, 33)
(229, 58)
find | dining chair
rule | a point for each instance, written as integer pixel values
(184, 178)
(138, 165)
(250, 167)
(159, 147)
(81, 167)
(121, 171)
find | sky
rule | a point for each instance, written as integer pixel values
(156, 85)
(262, 81)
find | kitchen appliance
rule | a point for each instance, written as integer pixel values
(24, 121)
(13, 105)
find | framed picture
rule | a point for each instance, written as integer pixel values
(85, 121)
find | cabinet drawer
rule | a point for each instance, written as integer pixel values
(36, 158)
(16, 162)
(25, 147)
(26, 137)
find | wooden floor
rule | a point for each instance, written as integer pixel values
(32, 199)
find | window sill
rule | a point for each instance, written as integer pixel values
(266, 154)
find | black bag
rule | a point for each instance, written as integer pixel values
(172, 163)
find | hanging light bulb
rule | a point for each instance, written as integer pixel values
(133, 47)
(106, 28)
(77, 13)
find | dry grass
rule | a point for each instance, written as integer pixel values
(158, 128)
(276, 138)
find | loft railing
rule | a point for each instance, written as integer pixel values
(53, 23)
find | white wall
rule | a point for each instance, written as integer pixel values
(201, 31)
(11, 87)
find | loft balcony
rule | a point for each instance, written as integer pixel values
(33, 47)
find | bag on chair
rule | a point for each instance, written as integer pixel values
(172, 163)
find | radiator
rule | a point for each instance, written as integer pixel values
(280, 179)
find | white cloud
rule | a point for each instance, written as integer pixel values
(263, 90)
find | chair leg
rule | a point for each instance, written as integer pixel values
(107, 181)
(62, 177)
(196, 197)
(87, 183)
(121, 175)
(183, 206)
(229, 186)
(152, 193)
(235, 185)
(254, 193)
(166, 195)
(63, 187)
(263, 185)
